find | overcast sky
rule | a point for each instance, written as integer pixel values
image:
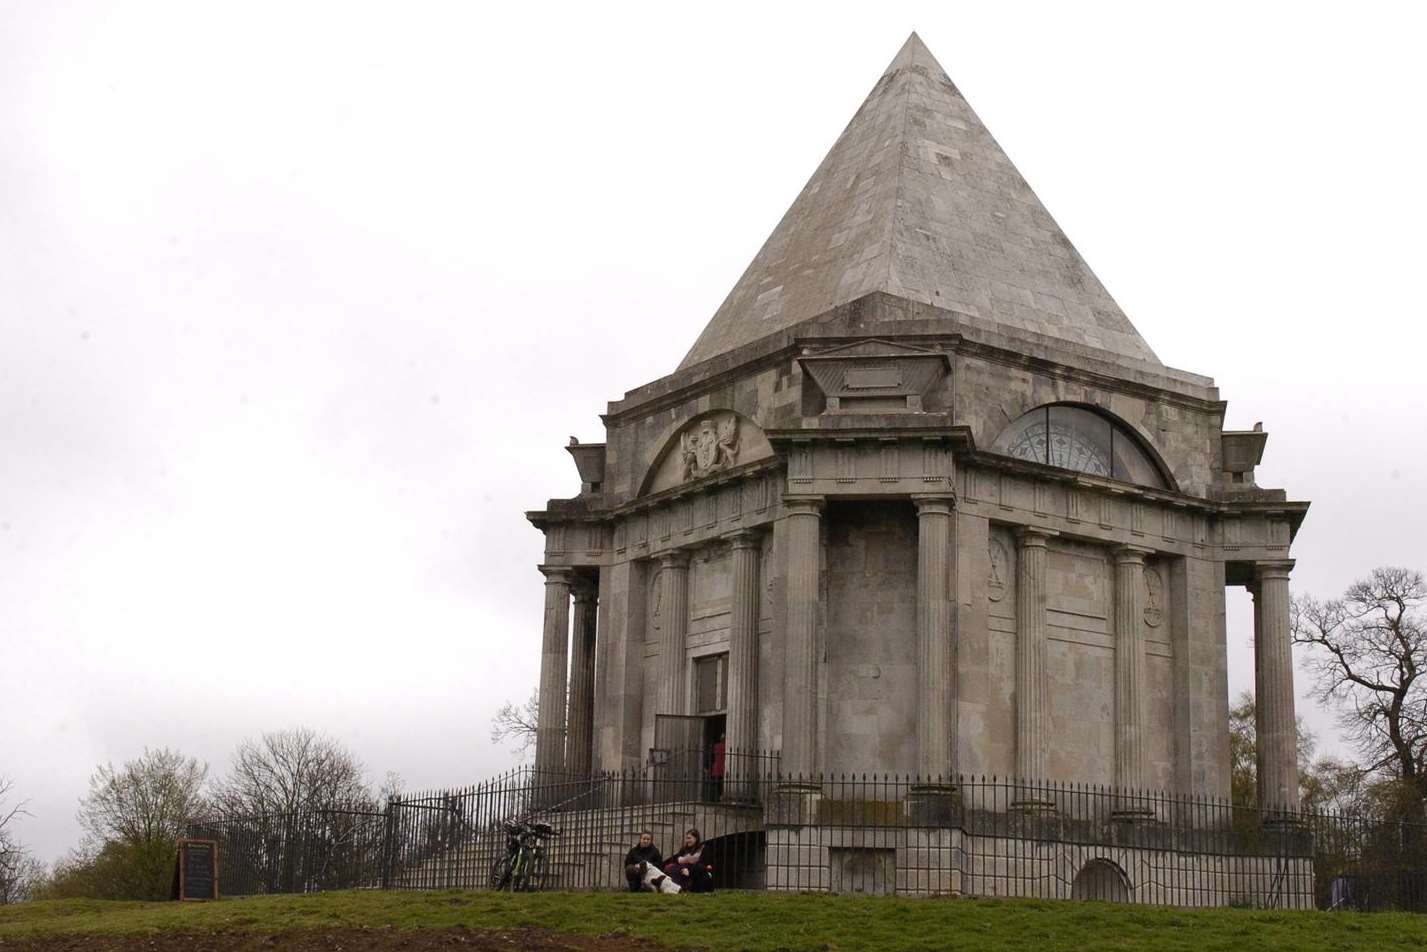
(299, 303)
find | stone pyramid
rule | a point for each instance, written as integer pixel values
(917, 200)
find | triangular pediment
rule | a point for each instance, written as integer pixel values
(917, 200)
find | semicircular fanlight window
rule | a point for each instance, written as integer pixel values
(1077, 439)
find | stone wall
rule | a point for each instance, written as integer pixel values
(871, 680)
(912, 861)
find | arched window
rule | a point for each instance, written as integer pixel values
(1072, 437)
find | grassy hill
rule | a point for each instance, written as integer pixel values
(728, 921)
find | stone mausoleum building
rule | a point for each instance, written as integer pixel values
(921, 500)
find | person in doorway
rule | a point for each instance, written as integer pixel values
(716, 769)
(640, 857)
(687, 866)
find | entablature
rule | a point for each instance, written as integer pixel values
(1103, 511)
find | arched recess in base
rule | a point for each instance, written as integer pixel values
(1101, 880)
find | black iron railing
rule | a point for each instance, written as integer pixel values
(762, 829)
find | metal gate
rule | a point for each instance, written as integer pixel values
(677, 758)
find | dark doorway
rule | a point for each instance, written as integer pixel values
(715, 756)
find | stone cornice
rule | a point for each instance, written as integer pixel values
(938, 327)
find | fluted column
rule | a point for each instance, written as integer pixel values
(554, 657)
(1275, 722)
(742, 732)
(936, 680)
(675, 579)
(804, 515)
(1129, 668)
(580, 745)
(1030, 653)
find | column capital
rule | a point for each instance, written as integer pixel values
(675, 559)
(743, 538)
(1135, 554)
(586, 593)
(557, 574)
(1034, 536)
(1276, 569)
(934, 503)
(800, 505)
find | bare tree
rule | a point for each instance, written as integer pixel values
(291, 771)
(515, 724)
(149, 800)
(19, 871)
(1368, 656)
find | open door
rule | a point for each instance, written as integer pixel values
(677, 759)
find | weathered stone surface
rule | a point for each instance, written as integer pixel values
(1058, 622)
(917, 199)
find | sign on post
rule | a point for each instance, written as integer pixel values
(195, 877)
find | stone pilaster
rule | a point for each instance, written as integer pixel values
(1275, 721)
(554, 657)
(936, 674)
(1129, 668)
(1031, 652)
(800, 689)
(671, 687)
(742, 729)
(580, 728)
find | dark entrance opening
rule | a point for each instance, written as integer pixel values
(714, 727)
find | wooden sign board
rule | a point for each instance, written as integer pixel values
(195, 878)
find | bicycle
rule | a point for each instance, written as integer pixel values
(522, 868)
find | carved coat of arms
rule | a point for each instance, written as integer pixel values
(710, 447)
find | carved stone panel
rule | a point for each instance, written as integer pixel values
(706, 445)
(710, 446)
(1154, 597)
(655, 615)
(1000, 565)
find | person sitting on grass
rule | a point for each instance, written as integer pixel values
(646, 853)
(687, 866)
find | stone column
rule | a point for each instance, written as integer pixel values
(675, 579)
(580, 737)
(800, 689)
(554, 656)
(1275, 723)
(936, 677)
(1129, 668)
(742, 739)
(1030, 660)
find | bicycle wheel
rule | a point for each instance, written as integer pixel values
(535, 871)
(520, 872)
(501, 873)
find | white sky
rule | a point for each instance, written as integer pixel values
(299, 303)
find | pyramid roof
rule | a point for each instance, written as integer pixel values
(916, 199)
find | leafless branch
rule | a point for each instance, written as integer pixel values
(515, 723)
(1367, 652)
(291, 771)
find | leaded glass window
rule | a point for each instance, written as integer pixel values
(1074, 438)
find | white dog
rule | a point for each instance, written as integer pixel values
(656, 881)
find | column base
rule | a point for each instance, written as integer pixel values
(933, 804)
(1283, 823)
(795, 803)
(1032, 806)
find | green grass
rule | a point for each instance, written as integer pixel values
(755, 921)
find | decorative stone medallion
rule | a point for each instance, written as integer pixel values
(656, 602)
(711, 447)
(996, 579)
(1154, 597)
